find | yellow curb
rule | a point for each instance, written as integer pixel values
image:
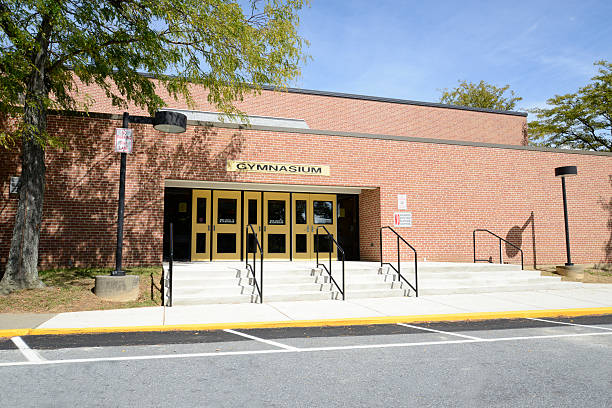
(353, 321)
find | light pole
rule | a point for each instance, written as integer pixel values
(164, 121)
(563, 172)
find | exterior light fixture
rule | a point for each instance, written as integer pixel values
(164, 121)
(170, 122)
(563, 172)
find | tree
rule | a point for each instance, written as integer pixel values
(480, 95)
(45, 45)
(582, 120)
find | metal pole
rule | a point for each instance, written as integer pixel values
(399, 268)
(474, 243)
(381, 248)
(121, 207)
(171, 263)
(567, 239)
(501, 261)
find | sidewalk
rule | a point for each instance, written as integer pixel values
(590, 299)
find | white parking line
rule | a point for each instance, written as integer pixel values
(31, 355)
(440, 331)
(270, 342)
(571, 324)
(301, 350)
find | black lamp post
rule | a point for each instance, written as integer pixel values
(563, 172)
(164, 121)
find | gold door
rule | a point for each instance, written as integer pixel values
(226, 224)
(301, 219)
(200, 225)
(276, 225)
(252, 215)
(323, 212)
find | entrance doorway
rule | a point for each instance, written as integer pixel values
(309, 212)
(212, 224)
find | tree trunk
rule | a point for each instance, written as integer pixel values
(22, 266)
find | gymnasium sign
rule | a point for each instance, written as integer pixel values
(278, 168)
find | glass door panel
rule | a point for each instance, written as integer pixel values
(200, 225)
(252, 215)
(276, 219)
(302, 222)
(324, 213)
(227, 224)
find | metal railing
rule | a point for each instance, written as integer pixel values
(253, 269)
(501, 259)
(398, 270)
(167, 278)
(340, 251)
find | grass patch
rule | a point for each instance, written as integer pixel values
(70, 290)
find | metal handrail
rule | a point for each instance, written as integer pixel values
(340, 250)
(253, 268)
(170, 268)
(501, 260)
(399, 268)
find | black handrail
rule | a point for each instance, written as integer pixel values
(501, 259)
(253, 268)
(399, 268)
(170, 267)
(340, 250)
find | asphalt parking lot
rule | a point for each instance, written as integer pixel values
(521, 362)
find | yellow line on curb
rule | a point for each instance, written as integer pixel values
(353, 321)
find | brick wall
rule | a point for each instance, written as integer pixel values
(451, 191)
(354, 115)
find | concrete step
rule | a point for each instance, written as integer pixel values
(487, 280)
(374, 286)
(200, 300)
(449, 290)
(296, 296)
(211, 291)
(377, 293)
(295, 288)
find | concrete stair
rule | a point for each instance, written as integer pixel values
(231, 282)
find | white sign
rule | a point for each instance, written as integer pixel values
(123, 140)
(402, 219)
(14, 185)
(402, 202)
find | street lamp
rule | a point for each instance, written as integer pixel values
(164, 121)
(563, 172)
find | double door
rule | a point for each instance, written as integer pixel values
(223, 223)
(216, 225)
(312, 212)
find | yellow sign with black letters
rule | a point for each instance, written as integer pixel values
(278, 168)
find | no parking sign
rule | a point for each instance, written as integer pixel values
(123, 140)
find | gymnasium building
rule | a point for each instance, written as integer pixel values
(351, 163)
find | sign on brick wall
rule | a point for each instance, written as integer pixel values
(123, 140)
(402, 219)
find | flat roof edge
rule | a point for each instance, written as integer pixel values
(149, 121)
(391, 100)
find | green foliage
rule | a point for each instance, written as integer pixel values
(480, 95)
(582, 120)
(230, 49)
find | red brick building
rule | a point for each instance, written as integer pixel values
(347, 162)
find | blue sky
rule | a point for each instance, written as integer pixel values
(413, 49)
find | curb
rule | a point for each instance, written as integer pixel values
(355, 321)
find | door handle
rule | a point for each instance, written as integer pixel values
(208, 227)
(264, 228)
